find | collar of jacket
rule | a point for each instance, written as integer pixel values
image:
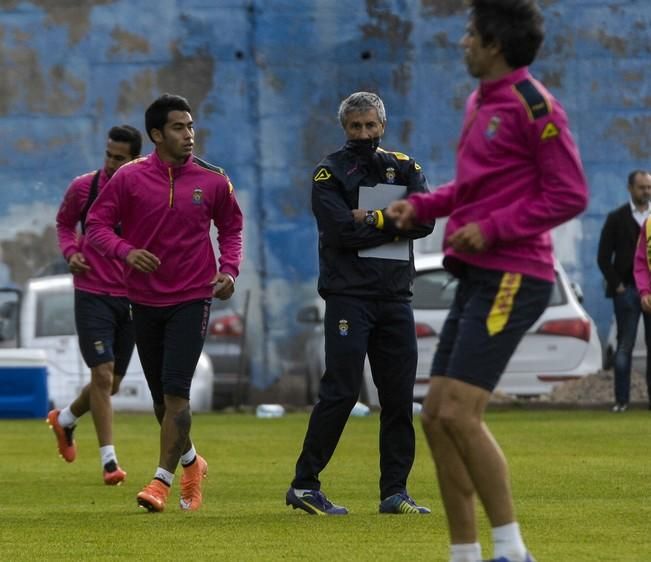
(165, 166)
(488, 88)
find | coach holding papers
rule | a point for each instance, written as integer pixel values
(368, 309)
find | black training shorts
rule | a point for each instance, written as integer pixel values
(491, 312)
(105, 330)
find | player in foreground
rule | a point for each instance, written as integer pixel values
(518, 175)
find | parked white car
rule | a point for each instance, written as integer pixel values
(47, 322)
(562, 345)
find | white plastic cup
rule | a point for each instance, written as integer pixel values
(269, 411)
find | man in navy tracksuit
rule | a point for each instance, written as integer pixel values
(368, 309)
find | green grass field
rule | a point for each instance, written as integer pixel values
(581, 482)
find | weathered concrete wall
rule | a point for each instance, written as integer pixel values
(265, 78)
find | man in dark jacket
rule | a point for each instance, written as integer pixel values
(366, 272)
(616, 250)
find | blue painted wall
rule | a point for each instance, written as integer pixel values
(265, 78)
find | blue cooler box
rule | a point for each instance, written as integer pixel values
(23, 383)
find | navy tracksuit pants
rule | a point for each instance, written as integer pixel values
(384, 330)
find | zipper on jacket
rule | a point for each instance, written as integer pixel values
(171, 198)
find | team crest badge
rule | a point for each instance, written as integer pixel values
(493, 126)
(197, 196)
(99, 347)
(343, 327)
(391, 175)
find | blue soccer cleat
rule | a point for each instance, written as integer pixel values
(314, 502)
(401, 503)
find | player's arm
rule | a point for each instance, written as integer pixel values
(229, 221)
(66, 225)
(416, 183)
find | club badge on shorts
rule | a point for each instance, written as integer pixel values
(99, 347)
(343, 327)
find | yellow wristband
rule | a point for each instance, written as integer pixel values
(380, 219)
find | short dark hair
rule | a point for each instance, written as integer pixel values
(517, 25)
(128, 134)
(634, 174)
(361, 102)
(157, 112)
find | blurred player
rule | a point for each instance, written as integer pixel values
(102, 311)
(518, 176)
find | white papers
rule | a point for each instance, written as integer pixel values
(379, 197)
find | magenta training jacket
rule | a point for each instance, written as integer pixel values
(167, 210)
(106, 276)
(518, 175)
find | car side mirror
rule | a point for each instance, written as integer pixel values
(309, 315)
(578, 292)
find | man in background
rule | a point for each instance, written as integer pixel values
(102, 311)
(617, 244)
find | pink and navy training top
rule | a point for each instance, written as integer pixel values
(518, 175)
(106, 276)
(167, 210)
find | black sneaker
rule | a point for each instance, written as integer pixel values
(314, 502)
(401, 503)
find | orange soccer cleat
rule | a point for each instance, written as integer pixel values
(64, 435)
(153, 496)
(191, 481)
(113, 474)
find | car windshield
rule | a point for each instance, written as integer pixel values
(55, 314)
(434, 290)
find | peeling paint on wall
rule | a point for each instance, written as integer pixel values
(387, 26)
(127, 42)
(443, 8)
(634, 134)
(617, 45)
(74, 15)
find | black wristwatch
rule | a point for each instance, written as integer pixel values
(370, 218)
